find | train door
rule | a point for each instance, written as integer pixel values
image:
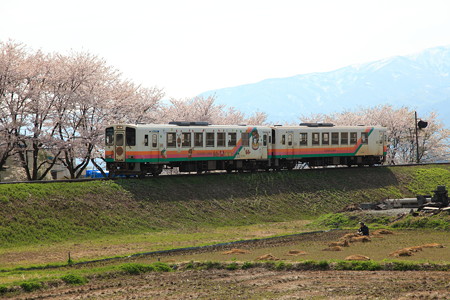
(265, 145)
(154, 146)
(380, 143)
(290, 145)
(120, 145)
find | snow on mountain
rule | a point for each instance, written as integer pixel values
(420, 81)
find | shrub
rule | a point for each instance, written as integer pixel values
(161, 267)
(247, 265)
(213, 265)
(281, 265)
(323, 265)
(405, 266)
(30, 286)
(3, 289)
(232, 266)
(189, 265)
(136, 269)
(74, 279)
(306, 265)
(4, 199)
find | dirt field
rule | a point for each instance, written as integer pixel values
(263, 283)
(260, 284)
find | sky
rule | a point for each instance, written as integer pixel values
(192, 46)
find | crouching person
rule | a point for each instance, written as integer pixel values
(363, 229)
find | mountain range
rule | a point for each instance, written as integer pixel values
(420, 81)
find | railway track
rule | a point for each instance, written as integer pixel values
(214, 173)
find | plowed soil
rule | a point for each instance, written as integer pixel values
(260, 284)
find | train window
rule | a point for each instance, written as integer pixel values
(146, 140)
(245, 139)
(335, 138)
(231, 138)
(210, 139)
(109, 136)
(364, 138)
(283, 139)
(186, 139)
(171, 140)
(344, 138)
(315, 138)
(130, 134)
(353, 138)
(325, 138)
(119, 139)
(303, 138)
(198, 139)
(221, 139)
(289, 139)
(265, 140)
(154, 140)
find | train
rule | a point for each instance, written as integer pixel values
(148, 149)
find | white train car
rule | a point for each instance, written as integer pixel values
(322, 144)
(190, 146)
(198, 147)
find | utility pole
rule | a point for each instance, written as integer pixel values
(417, 137)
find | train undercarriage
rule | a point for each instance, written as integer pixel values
(144, 169)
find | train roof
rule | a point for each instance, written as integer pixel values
(311, 126)
(183, 125)
(327, 127)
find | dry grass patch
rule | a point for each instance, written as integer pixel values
(267, 257)
(432, 245)
(296, 252)
(334, 248)
(357, 257)
(348, 236)
(382, 231)
(409, 251)
(401, 252)
(236, 251)
(362, 239)
(340, 244)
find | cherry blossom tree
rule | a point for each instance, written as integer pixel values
(54, 108)
(206, 110)
(11, 110)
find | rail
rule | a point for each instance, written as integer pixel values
(215, 173)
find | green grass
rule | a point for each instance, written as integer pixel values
(74, 279)
(196, 210)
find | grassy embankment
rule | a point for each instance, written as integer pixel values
(196, 210)
(54, 212)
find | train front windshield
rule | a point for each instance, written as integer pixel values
(109, 136)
